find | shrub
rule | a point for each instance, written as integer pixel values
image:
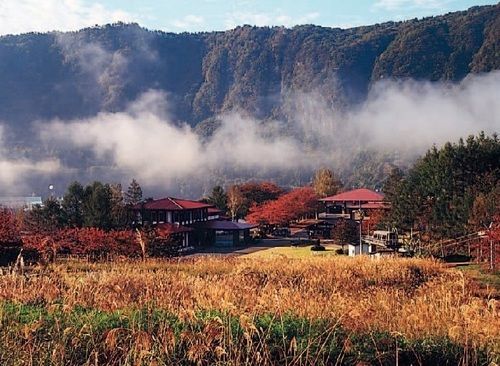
(318, 248)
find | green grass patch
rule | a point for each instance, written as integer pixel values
(293, 252)
(481, 275)
(60, 336)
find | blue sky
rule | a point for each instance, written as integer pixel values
(18, 16)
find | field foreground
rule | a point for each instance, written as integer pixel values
(247, 311)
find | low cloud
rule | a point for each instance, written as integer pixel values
(15, 172)
(142, 142)
(406, 116)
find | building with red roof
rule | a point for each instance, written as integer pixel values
(193, 223)
(355, 205)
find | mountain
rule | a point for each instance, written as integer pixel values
(78, 74)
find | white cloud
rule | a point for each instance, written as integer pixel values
(142, 142)
(190, 22)
(392, 5)
(21, 16)
(406, 116)
(13, 171)
(277, 18)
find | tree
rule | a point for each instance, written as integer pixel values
(260, 192)
(218, 198)
(10, 238)
(325, 183)
(72, 205)
(118, 209)
(9, 228)
(484, 209)
(345, 232)
(134, 193)
(437, 195)
(97, 206)
(45, 219)
(296, 204)
(235, 202)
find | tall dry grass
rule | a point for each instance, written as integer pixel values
(407, 300)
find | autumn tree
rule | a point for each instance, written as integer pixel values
(10, 238)
(325, 183)
(345, 232)
(9, 228)
(260, 192)
(296, 204)
(134, 193)
(236, 202)
(218, 198)
(484, 209)
(118, 208)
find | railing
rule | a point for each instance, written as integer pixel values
(324, 215)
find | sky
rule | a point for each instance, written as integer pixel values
(21, 16)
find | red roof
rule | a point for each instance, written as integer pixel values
(356, 195)
(171, 204)
(168, 229)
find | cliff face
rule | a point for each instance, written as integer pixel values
(71, 75)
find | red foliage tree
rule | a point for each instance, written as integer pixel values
(10, 240)
(370, 223)
(260, 192)
(9, 229)
(298, 203)
(92, 242)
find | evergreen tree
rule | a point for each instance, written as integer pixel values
(45, 219)
(134, 193)
(218, 197)
(97, 206)
(437, 195)
(72, 205)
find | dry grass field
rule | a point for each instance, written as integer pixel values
(322, 310)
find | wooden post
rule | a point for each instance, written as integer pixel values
(492, 266)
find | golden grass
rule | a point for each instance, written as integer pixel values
(414, 298)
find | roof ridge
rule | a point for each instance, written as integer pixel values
(173, 200)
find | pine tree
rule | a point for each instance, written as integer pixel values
(72, 205)
(134, 193)
(218, 198)
(97, 206)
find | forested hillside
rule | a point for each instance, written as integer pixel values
(68, 75)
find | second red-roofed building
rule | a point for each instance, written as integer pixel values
(353, 204)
